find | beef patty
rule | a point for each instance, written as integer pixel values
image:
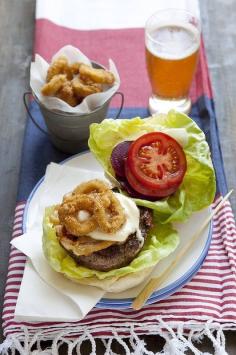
(118, 255)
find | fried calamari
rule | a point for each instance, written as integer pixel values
(81, 89)
(73, 82)
(66, 94)
(99, 76)
(111, 217)
(59, 66)
(54, 85)
(68, 214)
(91, 187)
(91, 205)
(101, 207)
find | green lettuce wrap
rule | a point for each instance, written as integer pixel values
(199, 185)
(160, 242)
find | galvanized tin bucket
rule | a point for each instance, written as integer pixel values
(70, 132)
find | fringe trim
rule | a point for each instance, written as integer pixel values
(179, 338)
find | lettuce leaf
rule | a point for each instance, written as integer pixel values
(198, 187)
(161, 241)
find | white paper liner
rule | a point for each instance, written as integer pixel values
(38, 73)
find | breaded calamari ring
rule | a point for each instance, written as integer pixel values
(89, 82)
(59, 66)
(54, 218)
(92, 186)
(74, 68)
(68, 215)
(100, 76)
(54, 85)
(66, 94)
(111, 218)
(70, 196)
(82, 90)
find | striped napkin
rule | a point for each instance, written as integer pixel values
(207, 304)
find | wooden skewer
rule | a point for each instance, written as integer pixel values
(114, 182)
(155, 282)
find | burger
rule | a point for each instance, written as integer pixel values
(99, 229)
(113, 238)
(100, 237)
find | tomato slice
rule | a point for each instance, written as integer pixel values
(157, 161)
(144, 191)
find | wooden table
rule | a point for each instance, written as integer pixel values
(16, 43)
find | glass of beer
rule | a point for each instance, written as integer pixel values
(172, 40)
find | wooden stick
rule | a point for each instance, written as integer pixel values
(155, 282)
(113, 181)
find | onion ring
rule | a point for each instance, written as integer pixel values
(54, 218)
(104, 198)
(70, 196)
(68, 213)
(92, 186)
(96, 197)
(112, 217)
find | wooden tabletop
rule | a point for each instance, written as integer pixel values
(16, 43)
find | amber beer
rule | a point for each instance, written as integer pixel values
(171, 56)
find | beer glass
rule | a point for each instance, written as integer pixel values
(172, 39)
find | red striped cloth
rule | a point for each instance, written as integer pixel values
(210, 295)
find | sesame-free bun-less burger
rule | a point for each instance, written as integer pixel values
(101, 238)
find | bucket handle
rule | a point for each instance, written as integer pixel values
(25, 95)
(122, 99)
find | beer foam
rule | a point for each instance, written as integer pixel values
(172, 40)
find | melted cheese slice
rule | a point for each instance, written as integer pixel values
(130, 226)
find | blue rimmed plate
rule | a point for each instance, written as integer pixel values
(183, 272)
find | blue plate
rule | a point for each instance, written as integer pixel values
(158, 295)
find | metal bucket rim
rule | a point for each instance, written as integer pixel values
(62, 113)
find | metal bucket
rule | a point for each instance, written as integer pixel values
(69, 132)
